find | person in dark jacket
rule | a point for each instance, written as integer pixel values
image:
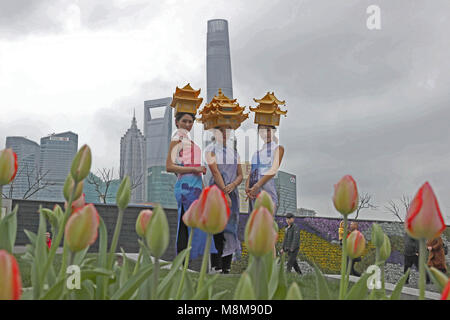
(411, 254)
(291, 244)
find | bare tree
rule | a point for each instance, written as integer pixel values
(365, 202)
(394, 208)
(36, 180)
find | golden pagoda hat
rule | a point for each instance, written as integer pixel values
(268, 112)
(186, 100)
(221, 112)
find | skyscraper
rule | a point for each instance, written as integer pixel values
(157, 132)
(218, 61)
(132, 160)
(57, 153)
(25, 183)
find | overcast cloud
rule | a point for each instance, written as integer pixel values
(374, 104)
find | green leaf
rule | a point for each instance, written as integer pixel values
(124, 272)
(40, 257)
(203, 293)
(219, 295)
(439, 278)
(188, 289)
(8, 230)
(101, 281)
(176, 264)
(323, 293)
(91, 274)
(399, 286)
(359, 289)
(281, 288)
(294, 292)
(54, 293)
(86, 292)
(79, 256)
(125, 292)
(244, 289)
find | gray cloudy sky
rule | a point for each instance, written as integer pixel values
(373, 104)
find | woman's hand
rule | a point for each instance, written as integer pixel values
(200, 169)
(229, 188)
(227, 197)
(253, 191)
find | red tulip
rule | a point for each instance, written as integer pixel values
(345, 196)
(10, 281)
(260, 235)
(356, 243)
(8, 166)
(446, 292)
(213, 211)
(77, 204)
(82, 228)
(143, 221)
(424, 219)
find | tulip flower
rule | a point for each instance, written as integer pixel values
(446, 292)
(264, 200)
(260, 236)
(143, 221)
(356, 243)
(82, 228)
(157, 232)
(68, 188)
(81, 164)
(424, 219)
(377, 235)
(8, 166)
(10, 281)
(213, 212)
(124, 193)
(77, 204)
(345, 196)
(385, 249)
(191, 216)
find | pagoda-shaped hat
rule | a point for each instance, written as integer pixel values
(186, 100)
(268, 112)
(222, 111)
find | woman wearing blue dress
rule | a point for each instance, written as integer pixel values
(225, 171)
(184, 159)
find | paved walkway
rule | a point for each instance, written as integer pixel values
(407, 293)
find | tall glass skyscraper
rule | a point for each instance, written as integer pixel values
(132, 154)
(57, 153)
(25, 183)
(218, 60)
(286, 185)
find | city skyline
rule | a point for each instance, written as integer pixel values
(373, 104)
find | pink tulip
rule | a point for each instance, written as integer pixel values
(446, 292)
(191, 216)
(356, 243)
(77, 204)
(10, 281)
(143, 221)
(265, 200)
(82, 228)
(8, 166)
(260, 236)
(345, 196)
(214, 212)
(424, 219)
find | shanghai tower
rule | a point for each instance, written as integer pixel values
(218, 61)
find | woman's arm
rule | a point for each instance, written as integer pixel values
(212, 164)
(233, 185)
(172, 167)
(278, 157)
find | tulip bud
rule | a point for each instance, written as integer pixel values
(294, 292)
(385, 249)
(345, 196)
(260, 236)
(356, 243)
(377, 235)
(439, 276)
(68, 188)
(157, 232)
(124, 193)
(214, 210)
(8, 166)
(424, 219)
(143, 221)
(77, 204)
(82, 228)
(264, 200)
(191, 216)
(244, 290)
(10, 281)
(81, 164)
(446, 292)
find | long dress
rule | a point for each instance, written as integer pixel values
(188, 189)
(262, 161)
(227, 162)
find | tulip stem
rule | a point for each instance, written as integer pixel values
(422, 254)
(155, 278)
(204, 263)
(343, 261)
(1, 199)
(186, 263)
(257, 274)
(138, 262)
(115, 240)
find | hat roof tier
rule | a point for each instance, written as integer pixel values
(222, 111)
(186, 100)
(268, 112)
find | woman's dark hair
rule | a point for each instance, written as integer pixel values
(273, 127)
(180, 115)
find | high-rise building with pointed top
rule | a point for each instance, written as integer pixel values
(132, 159)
